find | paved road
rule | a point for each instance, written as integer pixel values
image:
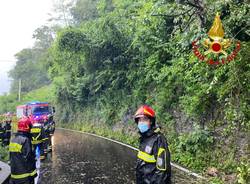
(82, 158)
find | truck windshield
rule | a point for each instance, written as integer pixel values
(40, 110)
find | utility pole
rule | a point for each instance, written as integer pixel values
(19, 90)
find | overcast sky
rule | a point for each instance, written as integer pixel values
(19, 19)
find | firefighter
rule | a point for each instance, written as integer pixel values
(51, 131)
(47, 143)
(52, 128)
(153, 162)
(22, 157)
(1, 133)
(7, 133)
(7, 129)
(38, 138)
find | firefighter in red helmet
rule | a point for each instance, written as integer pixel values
(22, 158)
(153, 158)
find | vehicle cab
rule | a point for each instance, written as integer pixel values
(40, 112)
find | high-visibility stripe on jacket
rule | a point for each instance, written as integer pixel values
(146, 157)
(15, 147)
(22, 158)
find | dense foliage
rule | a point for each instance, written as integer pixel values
(117, 54)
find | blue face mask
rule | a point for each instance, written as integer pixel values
(143, 127)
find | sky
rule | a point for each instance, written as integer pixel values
(19, 19)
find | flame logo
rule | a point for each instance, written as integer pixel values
(216, 43)
(216, 32)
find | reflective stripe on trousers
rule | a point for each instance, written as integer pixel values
(21, 176)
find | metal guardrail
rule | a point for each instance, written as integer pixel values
(4, 173)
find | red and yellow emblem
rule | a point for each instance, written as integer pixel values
(216, 44)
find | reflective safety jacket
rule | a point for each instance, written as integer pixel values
(153, 159)
(37, 134)
(7, 128)
(7, 133)
(22, 158)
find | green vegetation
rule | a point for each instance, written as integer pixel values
(191, 149)
(9, 102)
(112, 56)
(4, 154)
(244, 173)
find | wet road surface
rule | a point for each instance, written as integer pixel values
(86, 159)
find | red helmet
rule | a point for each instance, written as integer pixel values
(145, 110)
(24, 124)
